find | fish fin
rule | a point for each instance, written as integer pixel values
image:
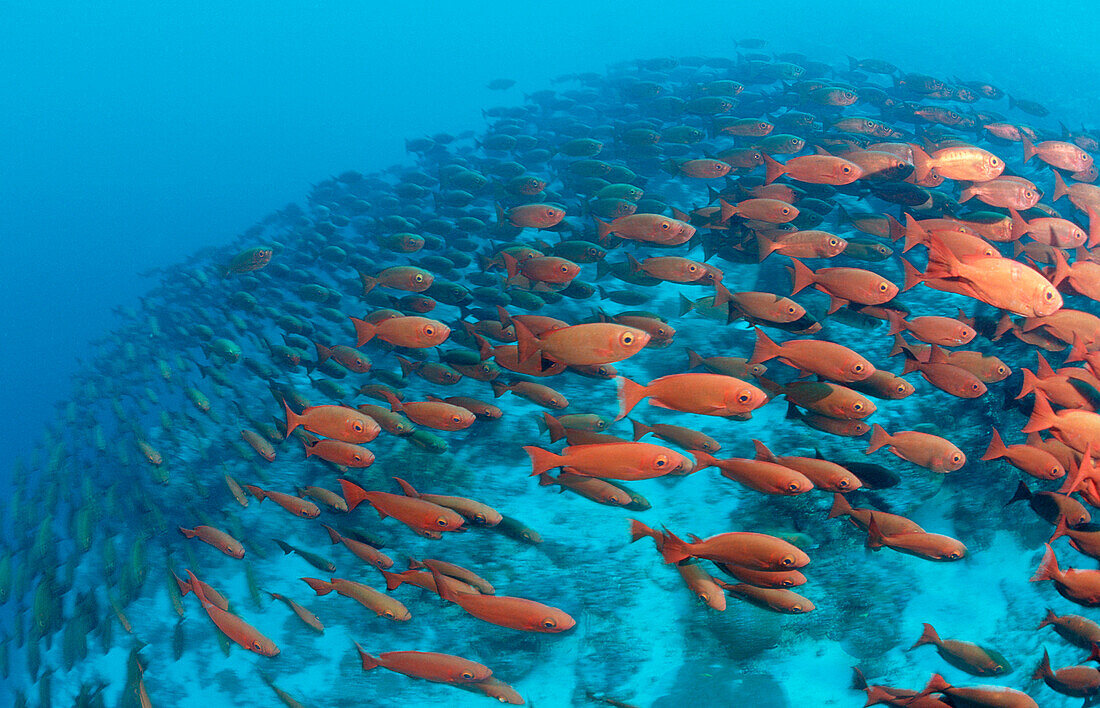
(1048, 568)
(801, 276)
(445, 591)
(762, 451)
(188, 533)
(840, 506)
(1029, 149)
(1042, 415)
(879, 438)
(364, 331)
(1022, 493)
(928, 636)
(1049, 619)
(542, 460)
(915, 234)
(406, 488)
(393, 580)
(369, 662)
(369, 282)
(333, 534)
(321, 587)
(353, 493)
(286, 548)
(875, 537)
(640, 429)
(765, 349)
(557, 430)
(1060, 188)
(996, 450)
(773, 169)
(256, 492)
(694, 360)
(630, 394)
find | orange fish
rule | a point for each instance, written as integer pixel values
(433, 414)
(930, 546)
(295, 505)
(364, 551)
(924, 449)
(232, 626)
(705, 394)
(336, 422)
(413, 332)
(814, 169)
(430, 666)
(379, 603)
(626, 461)
(424, 517)
(218, 539)
(760, 475)
(511, 612)
(583, 344)
(832, 361)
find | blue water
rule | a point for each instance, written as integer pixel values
(135, 135)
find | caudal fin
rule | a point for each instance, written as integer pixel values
(321, 587)
(840, 506)
(640, 530)
(369, 662)
(1048, 568)
(640, 429)
(996, 449)
(353, 493)
(364, 331)
(1042, 415)
(333, 534)
(773, 169)
(801, 276)
(630, 395)
(765, 349)
(542, 460)
(406, 488)
(879, 438)
(694, 360)
(928, 636)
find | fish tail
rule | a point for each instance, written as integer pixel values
(879, 438)
(188, 533)
(256, 492)
(333, 534)
(364, 331)
(511, 265)
(897, 322)
(369, 282)
(1030, 384)
(630, 395)
(895, 229)
(915, 234)
(504, 317)
(1043, 671)
(694, 360)
(635, 266)
(1061, 265)
(728, 210)
(1049, 619)
(673, 548)
(406, 488)
(284, 546)
(928, 636)
(603, 228)
(1048, 568)
(446, 592)
(1060, 188)
(321, 587)
(1019, 226)
(369, 662)
(407, 366)
(936, 684)
(184, 586)
(773, 169)
(913, 277)
(546, 480)
(942, 262)
(703, 460)
(293, 420)
(640, 530)
(542, 460)
(323, 353)
(196, 587)
(840, 506)
(801, 276)
(395, 403)
(766, 246)
(393, 580)
(1060, 528)
(859, 681)
(765, 349)
(1042, 415)
(686, 305)
(996, 449)
(722, 295)
(640, 429)
(922, 165)
(966, 194)
(877, 695)
(499, 388)
(1029, 150)
(354, 495)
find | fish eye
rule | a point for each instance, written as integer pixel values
(550, 212)
(786, 211)
(456, 419)
(418, 278)
(832, 242)
(564, 268)
(974, 387)
(956, 458)
(786, 561)
(388, 614)
(793, 487)
(1048, 294)
(692, 268)
(468, 675)
(994, 161)
(665, 225)
(256, 645)
(900, 388)
(627, 338)
(858, 368)
(763, 126)
(549, 623)
(1002, 370)
(660, 461)
(704, 597)
(356, 458)
(797, 609)
(357, 427)
(845, 169)
(744, 397)
(441, 521)
(883, 286)
(429, 330)
(791, 310)
(843, 484)
(857, 407)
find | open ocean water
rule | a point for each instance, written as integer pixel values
(624, 354)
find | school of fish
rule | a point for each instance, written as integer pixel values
(331, 439)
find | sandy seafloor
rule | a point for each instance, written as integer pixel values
(641, 638)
